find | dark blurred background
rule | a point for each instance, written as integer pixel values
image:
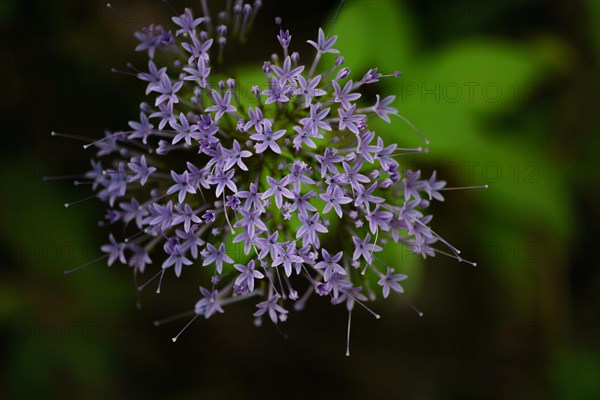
(507, 93)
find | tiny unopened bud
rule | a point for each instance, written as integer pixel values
(266, 67)
(374, 174)
(342, 74)
(231, 83)
(222, 30)
(386, 183)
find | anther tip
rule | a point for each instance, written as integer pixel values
(174, 339)
(486, 186)
(474, 264)
(420, 314)
(52, 133)
(66, 272)
(66, 205)
(377, 316)
(347, 354)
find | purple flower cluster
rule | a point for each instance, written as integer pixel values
(261, 193)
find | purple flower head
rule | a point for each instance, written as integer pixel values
(262, 184)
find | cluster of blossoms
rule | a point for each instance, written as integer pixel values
(284, 192)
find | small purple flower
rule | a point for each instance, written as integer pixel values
(364, 248)
(184, 130)
(287, 256)
(141, 170)
(185, 215)
(433, 186)
(310, 229)
(250, 221)
(142, 129)
(349, 120)
(247, 275)
(221, 105)
(223, 179)
(382, 108)
(277, 189)
(277, 93)
(345, 95)
(308, 89)
(182, 185)
(114, 250)
(272, 308)
(235, 157)
(268, 140)
(335, 200)
(287, 73)
(209, 304)
(324, 45)
(187, 22)
(168, 90)
(330, 264)
(218, 256)
(177, 258)
(390, 281)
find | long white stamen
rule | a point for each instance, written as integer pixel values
(411, 306)
(184, 328)
(465, 187)
(67, 205)
(68, 271)
(140, 288)
(413, 127)
(68, 136)
(348, 333)
(172, 318)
